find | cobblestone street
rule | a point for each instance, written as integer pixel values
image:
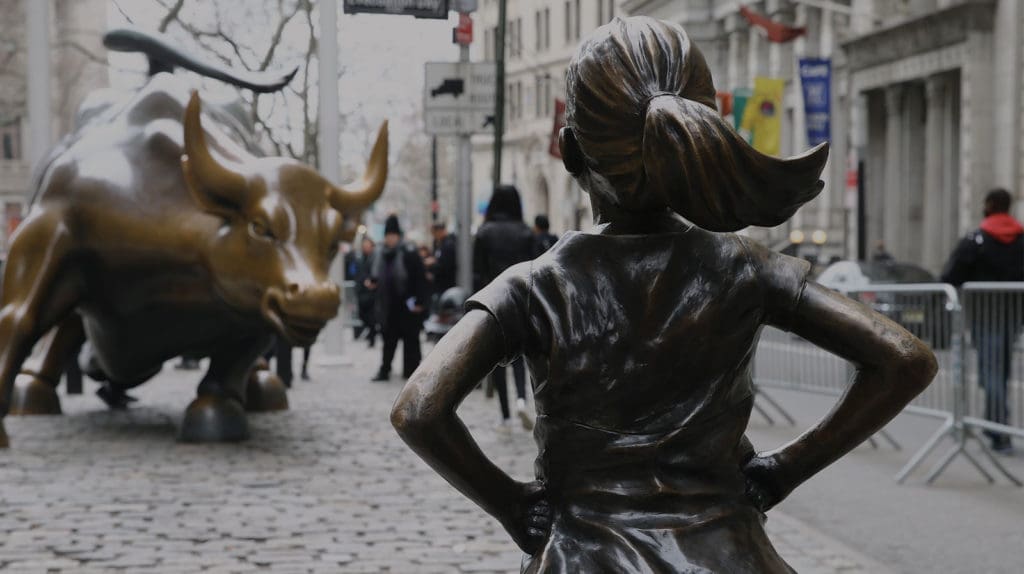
(324, 487)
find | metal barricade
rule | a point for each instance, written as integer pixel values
(993, 394)
(350, 304)
(930, 311)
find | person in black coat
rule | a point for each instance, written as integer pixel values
(442, 262)
(993, 252)
(399, 280)
(543, 239)
(502, 241)
(357, 269)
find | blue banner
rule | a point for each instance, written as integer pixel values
(816, 80)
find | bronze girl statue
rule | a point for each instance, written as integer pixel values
(639, 336)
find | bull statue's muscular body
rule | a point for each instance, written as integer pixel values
(154, 235)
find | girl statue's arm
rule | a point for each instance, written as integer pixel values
(424, 415)
(892, 365)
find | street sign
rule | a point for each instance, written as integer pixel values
(463, 33)
(459, 97)
(437, 9)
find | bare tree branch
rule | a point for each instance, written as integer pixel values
(172, 15)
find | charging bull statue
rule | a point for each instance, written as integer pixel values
(158, 231)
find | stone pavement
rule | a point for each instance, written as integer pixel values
(324, 487)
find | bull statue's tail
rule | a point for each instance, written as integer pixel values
(164, 56)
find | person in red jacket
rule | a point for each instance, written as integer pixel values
(993, 252)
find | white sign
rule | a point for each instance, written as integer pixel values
(459, 97)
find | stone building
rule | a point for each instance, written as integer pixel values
(541, 37)
(935, 88)
(77, 66)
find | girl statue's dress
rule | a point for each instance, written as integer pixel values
(639, 336)
(640, 350)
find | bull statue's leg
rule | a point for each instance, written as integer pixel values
(218, 413)
(40, 290)
(35, 389)
(265, 391)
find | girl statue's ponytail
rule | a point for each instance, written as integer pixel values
(641, 105)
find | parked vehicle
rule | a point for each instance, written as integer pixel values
(923, 314)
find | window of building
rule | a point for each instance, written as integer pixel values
(605, 11)
(538, 28)
(568, 21)
(576, 20)
(547, 28)
(489, 44)
(10, 140)
(518, 37)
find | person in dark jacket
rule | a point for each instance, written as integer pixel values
(502, 241)
(357, 269)
(543, 239)
(993, 252)
(399, 280)
(442, 262)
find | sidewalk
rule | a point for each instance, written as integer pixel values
(324, 487)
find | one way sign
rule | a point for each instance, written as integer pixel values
(459, 97)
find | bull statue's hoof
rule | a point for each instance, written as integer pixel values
(214, 419)
(265, 393)
(33, 396)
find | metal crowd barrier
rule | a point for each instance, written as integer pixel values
(350, 304)
(957, 396)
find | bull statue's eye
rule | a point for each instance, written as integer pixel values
(332, 251)
(260, 230)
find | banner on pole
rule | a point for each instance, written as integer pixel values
(816, 81)
(553, 148)
(762, 116)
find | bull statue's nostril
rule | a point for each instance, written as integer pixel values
(293, 288)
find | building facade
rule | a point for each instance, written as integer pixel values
(935, 92)
(77, 66)
(541, 37)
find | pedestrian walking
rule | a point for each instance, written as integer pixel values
(357, 269)
(993, 252)
(442, 264)
(543, 239)
(640, 335)
(502, 241)
(400, 283)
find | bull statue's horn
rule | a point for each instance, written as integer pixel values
(358, 195)
(214, 184)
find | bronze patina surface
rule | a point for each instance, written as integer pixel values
(157, 230)
(639, 336)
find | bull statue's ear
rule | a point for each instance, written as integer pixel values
(358, 195)
(216, 188)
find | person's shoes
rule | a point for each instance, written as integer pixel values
(115, 397)
(1002, 444)
(381, 377)
(524, 415)
(370, 345)
(305, 376)
(503, 428)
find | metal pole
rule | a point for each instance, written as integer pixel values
(499, 101)
(330, 161)
(464, 207)
(37, 33)
(434, 207)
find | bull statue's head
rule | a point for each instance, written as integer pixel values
(282, 224)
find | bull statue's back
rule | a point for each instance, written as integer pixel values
(159, 230)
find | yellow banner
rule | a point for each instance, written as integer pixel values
(762, 116)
